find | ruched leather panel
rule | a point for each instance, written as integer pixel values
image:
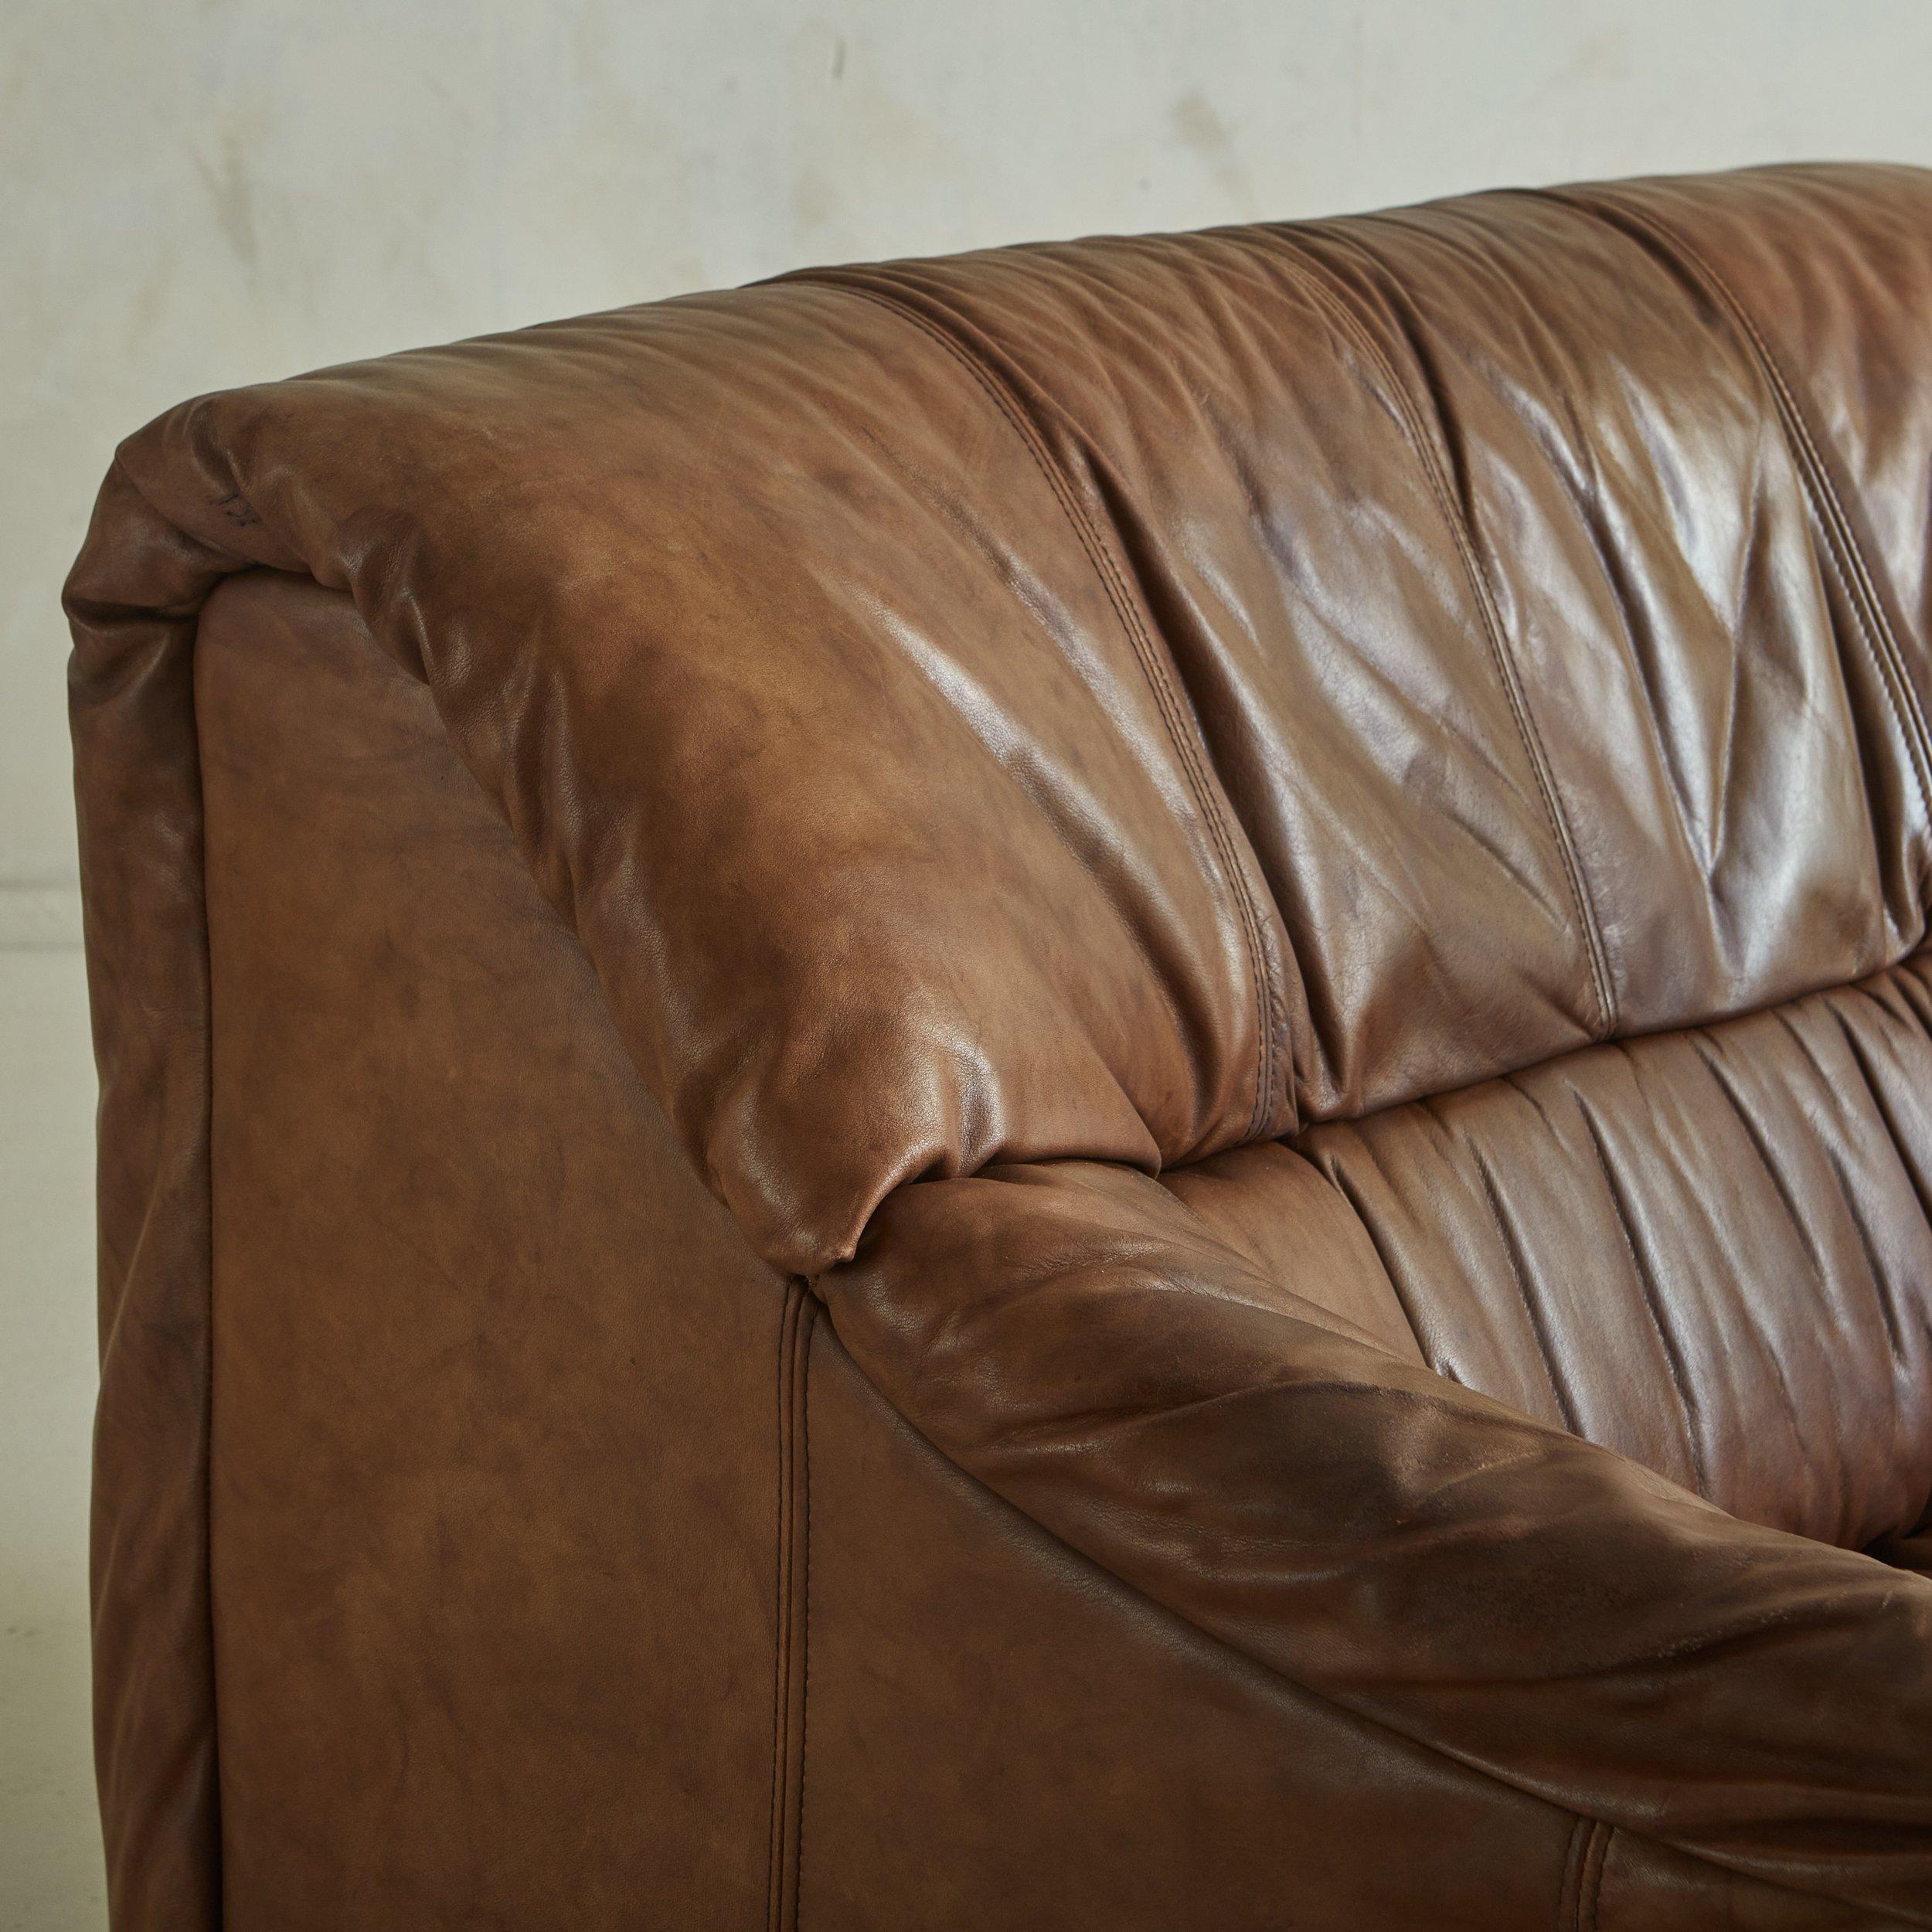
(1265, 676)
(1289, 520)
(1516, 592)
(1829, 269)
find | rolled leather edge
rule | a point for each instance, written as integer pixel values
(1534, 1606)
(771, 1036)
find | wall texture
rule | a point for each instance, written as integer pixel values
(210, 192)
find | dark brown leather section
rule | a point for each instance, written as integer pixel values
(496, 1384)
(138, 798)
(1002, 1735)
(491, 1370)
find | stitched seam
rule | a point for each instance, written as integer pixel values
(1590, 1894)
(1569, 1889)
(787, 1789)
(1150, 656)
(1416, 432)
(1843, 551)
(781, 1620)
(805, 1634)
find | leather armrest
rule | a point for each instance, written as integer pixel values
(1534, 1606)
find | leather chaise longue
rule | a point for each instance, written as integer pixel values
(1089, 1088)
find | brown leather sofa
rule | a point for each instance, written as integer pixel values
(1085, 1089)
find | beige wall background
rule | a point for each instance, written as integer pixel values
(204, 192)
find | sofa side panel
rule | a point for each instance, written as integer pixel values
(494, 1455)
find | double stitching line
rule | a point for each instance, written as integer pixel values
(1843, 551)
(791, 1672)
(1582, 1884)
(1331, 304)
(1153, 666)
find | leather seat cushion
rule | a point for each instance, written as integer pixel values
(1706, 1249)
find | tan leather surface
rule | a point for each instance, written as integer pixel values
(138, 794)
(1309, 842)
(1001, 1736)
(493, 1457)
(1791, 1146)
(459, 1454)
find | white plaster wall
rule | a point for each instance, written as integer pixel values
(198, 193)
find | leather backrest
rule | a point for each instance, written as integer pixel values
(1133, 699)
(1515, 555)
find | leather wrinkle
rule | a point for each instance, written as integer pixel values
(1888, 1310)
(1533, 1307)
(1881, 1285)
(1874, 1088)
(1700, 1045)
(1895, 1144)
(1653, 1293)
(1899, 983)
(1577, 1904)
(805, 1637)
(1428, 452)
(1350, 1193)
(1600, 1833)
(1153, 660)
(1843, 554)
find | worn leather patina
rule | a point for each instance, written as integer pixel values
(1088, 1087)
